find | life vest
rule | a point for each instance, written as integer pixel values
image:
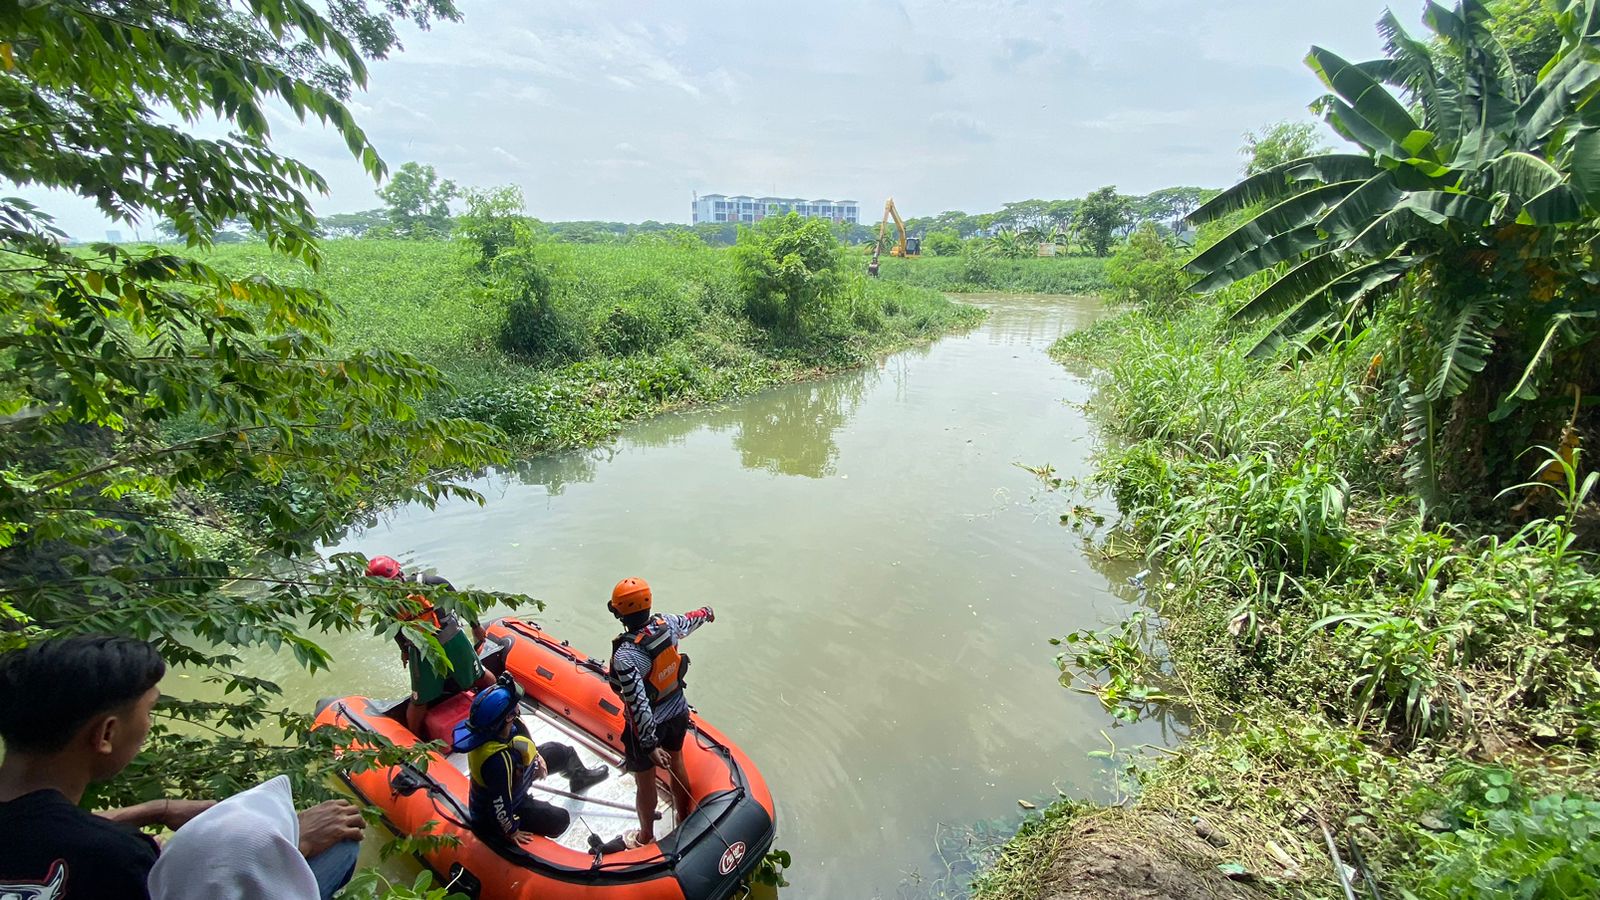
(425, 611)
(523, 753)
(667, 665)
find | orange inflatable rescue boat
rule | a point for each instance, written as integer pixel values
(569, 699)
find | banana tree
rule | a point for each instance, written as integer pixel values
(1478, 192)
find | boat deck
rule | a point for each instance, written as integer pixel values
(587, 818)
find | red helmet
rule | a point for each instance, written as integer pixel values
(631, 595)
(383, 567)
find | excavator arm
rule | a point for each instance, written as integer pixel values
(899, 225)
(900, 249)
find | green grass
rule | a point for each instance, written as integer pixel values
(648, 325)
(973, 275)
(1339, 656)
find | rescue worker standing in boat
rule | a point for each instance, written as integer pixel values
(503, 762)
(647, 671)
(430, 682)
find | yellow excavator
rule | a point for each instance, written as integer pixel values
(906, 247)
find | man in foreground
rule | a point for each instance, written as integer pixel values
(431, 682)
(647, 671)
(74, 711)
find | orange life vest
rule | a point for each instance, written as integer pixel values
(666, 664)
(425, 613)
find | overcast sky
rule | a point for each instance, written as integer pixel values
(620, 110)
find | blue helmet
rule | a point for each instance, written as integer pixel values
(490, 709)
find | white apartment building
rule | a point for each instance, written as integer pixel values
(741, 208)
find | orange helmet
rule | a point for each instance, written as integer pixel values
(631, 595)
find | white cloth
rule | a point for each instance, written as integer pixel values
(245, 848)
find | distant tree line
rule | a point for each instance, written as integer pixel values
(417, 205)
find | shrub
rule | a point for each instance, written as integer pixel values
(942, 243)
(790, 271)
(535, 330)
(1147, 270)
(628, 330)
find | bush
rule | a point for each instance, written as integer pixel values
(535, 331)
(1148, 270)
(942, 243)
(790, 270)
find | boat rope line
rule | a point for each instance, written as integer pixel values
(710, 820)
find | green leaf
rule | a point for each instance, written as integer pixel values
(1368, 99)
(1288, 215)
(1284, 181)
(1338, 302)
(1584, 164)
(1466, 348)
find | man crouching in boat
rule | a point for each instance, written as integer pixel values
(647, 671)
(430, 683)
(504, 763)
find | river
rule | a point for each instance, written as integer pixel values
(886, 579)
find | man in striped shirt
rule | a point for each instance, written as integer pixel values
(647, 671)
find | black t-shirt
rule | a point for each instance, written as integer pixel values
(49, 848)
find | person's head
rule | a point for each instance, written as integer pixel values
(246, 847)
(83, 697)
(383, 567)
(493, 715)
(630, 602)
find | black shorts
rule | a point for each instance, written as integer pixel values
(669, 737)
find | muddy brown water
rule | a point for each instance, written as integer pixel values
(885, 577)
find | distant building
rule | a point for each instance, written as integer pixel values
(113, 236)
(740, 208)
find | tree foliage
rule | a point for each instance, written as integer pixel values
(417, 203)
(161, 420)
(1102, 214)
(1481, 197)
(1147, 270)
(353, 225)
(789, 268)
(1279, 143)
(942, 243)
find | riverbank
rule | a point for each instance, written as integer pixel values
(975, 273)
(640, 328)
(1426, 691)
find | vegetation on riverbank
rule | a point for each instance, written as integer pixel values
(628, 329)
(974, 273)
(1428, 690)
(1376, 647)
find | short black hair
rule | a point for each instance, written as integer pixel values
(53, 688)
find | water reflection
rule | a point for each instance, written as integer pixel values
(555, 473)
(793, 434)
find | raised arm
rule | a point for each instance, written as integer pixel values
(685, 625)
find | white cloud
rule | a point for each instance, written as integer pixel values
(950, 123)
(620, 110)
(1142, 119)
